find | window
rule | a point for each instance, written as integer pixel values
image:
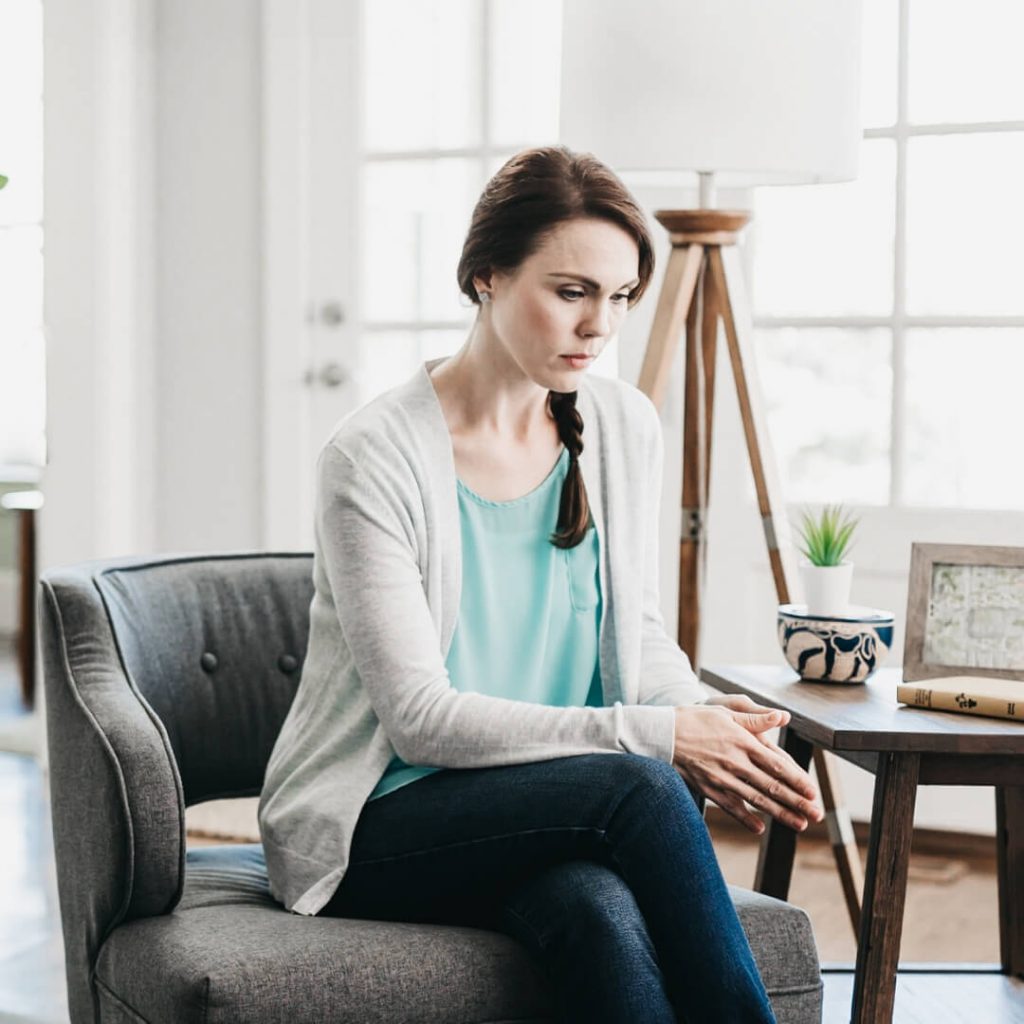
(888, 312)
(464, 86)
(22, 353)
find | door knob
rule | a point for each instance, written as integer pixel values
(332, 314)
(330, 375)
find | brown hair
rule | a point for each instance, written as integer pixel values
(525, 200)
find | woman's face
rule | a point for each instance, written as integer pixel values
(568, 298)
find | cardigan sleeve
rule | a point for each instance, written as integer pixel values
(366, 538)
(666, 676)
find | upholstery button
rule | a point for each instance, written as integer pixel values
(288, 663)
(208, 661)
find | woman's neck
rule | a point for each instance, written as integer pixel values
(481, 394)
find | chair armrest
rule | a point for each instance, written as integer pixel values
(115, 792)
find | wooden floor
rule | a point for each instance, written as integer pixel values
(927, 998)
(951, 909)
(31, 949)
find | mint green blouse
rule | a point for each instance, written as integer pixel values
(529, 612)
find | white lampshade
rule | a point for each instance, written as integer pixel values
(760, 92)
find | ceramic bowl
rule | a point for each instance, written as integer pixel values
(835, 648)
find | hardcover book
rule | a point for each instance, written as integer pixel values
(971, 695)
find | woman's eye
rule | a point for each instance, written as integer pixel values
(572, 294)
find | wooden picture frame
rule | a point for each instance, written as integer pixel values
(965, 612)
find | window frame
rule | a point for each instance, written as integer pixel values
(899, 321)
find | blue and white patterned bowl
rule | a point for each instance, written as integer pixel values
(835, 648)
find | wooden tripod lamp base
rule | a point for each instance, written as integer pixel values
(702, 287)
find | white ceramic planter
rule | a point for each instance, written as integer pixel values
(827, 587)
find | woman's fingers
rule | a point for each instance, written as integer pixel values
(735, 807)
(734, 701)
(776, 763)
(734, 798)
(734, 786)
(776, 797)
(760, 800)
(761, 721)
(719, 750)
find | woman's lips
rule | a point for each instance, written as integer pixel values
(578, 362)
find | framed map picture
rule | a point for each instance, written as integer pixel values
(965, 612)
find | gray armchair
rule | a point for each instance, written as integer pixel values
(166, 681)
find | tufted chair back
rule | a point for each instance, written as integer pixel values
(214, 646)
(184, 664)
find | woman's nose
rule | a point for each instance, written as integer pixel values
(597, 321)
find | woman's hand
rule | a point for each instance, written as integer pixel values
(721, 749)
(741, 702)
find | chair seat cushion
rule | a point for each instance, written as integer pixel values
(229, 953)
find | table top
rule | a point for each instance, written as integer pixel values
(866, 716)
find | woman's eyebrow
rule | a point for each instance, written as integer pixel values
(589, 281)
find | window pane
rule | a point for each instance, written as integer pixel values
(389, 358)
(417, 215)
(827, 250)
(879, 50)
(495, 164)
(21, 160)
(21, 51)
(965, 418)
(526, 42)
(422, 79)
(964, 61)
(435, 344)
(21, 111)
(828, 399)
(965, 211)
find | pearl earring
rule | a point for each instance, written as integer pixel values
(484, 297)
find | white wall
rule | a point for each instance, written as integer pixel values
(208, 199)
(152, 196)
(96, 200)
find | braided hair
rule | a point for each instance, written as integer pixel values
(532, 193)
(574, 507)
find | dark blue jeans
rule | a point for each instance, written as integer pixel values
(600, 865)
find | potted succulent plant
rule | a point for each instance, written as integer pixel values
(827, 573)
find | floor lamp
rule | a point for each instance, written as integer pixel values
(744, 94)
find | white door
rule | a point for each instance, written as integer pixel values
(311, 209)
(383, 121)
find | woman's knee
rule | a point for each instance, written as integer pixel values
(600, 903)
(579, 902)
(626, 773)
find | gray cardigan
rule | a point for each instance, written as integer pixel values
(387, 578)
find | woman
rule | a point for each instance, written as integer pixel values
(492, 726)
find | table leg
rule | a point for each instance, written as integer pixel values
(840, 833)
(27, 608)
(778, 844)
(1010, 867)
(885, 887)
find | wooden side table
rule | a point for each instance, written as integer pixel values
(26, 504)
(904, 748)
